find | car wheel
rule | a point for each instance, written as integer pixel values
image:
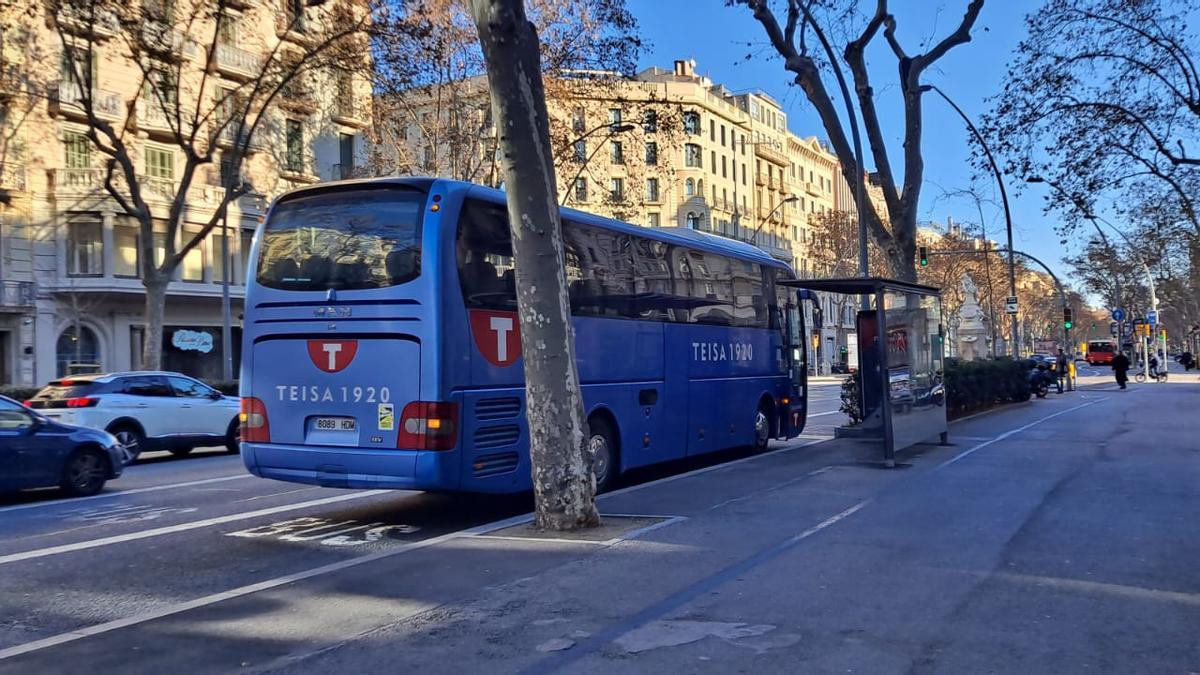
(131, 440)
(604, 453)
(85, 473)
(233, 438)
(182, 450)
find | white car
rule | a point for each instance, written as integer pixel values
(145, 410)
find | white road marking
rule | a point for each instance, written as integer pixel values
(268, 584)
(122, 493)
(831, 412)
(184, 527)
(1120, 590)
(1013, 432)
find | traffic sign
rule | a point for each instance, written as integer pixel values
(1010, 304)
(1118, 314)
(1152, 317)
(1112, 328)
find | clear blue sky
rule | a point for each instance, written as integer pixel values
(719, 38)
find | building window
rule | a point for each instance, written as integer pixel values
(581, 189)
(692, 156)
(654, 219)
(616, 153)
(578, 120)
(651, 189)
(650, 121)
(220, 253)
(295, 146)
(193, 262)
(712, 130)
(160, 163)
(689, 188)
(581, 151)
(247, 243)
(78, 151)
(160, 242)
(614, 117)
(617, 191)
(85, 247)
(691, 123)
(692, 220)
(345, 156)
(77, 346)
(125, 263)
(651, 153)
(722, 135)
(724, 166)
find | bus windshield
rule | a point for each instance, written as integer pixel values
(346, 240)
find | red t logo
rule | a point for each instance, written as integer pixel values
(332, 356)
(497, 336)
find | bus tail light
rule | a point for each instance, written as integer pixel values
(428, 425)
(253, 417)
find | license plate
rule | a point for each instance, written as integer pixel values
(335, 424)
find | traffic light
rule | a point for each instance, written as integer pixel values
(923, 254)
(1067, 322)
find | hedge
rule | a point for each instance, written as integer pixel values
(970, 386)
(18, 392)
(229, 388)
(974, 385)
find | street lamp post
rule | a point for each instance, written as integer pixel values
(1012, 269)
(786, 200)
(613, 130)
(1112, 251)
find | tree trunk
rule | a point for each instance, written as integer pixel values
(563, 479)
(156, 306)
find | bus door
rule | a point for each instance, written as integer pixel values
(795, 350)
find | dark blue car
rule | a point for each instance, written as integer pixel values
(36, 452)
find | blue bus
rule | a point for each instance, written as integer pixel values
(382, 347)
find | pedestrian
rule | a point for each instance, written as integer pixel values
(1120, 366)
(1061, 363)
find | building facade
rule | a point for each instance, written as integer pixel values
(71, 296)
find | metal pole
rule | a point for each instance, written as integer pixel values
(226, 319)
(1012, 269)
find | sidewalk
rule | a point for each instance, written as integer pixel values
(1037, 543)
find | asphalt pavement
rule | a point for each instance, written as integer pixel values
(1050, 538)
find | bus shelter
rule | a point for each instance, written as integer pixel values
(900, 357)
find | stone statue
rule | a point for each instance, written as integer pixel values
(972, 328)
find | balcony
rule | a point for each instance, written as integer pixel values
(16, 295)
(77, 182)
(237, 63)
(241, 5)
(296, 98)
(349, 113)
(68, 101)
(347, 171)
(81, 20)
(154, 187)
(293, 28)
(812, 189)
(230, 137)
(12, 177)
(153, 120)
(166, 43)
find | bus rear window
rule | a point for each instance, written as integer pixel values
(347, 240)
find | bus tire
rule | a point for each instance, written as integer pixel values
(763, 424)
(602, 448)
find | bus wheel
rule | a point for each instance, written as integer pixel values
(762, 427)
(604, 453)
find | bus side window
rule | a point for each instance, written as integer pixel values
(484, 255)
(713, 288)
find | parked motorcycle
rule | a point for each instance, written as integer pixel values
(1040, 379)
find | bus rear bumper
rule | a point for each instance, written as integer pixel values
(352, 467)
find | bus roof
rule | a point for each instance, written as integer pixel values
(675, 235)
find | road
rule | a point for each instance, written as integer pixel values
(173, 530)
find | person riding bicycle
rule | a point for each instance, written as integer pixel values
(1154, 366)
